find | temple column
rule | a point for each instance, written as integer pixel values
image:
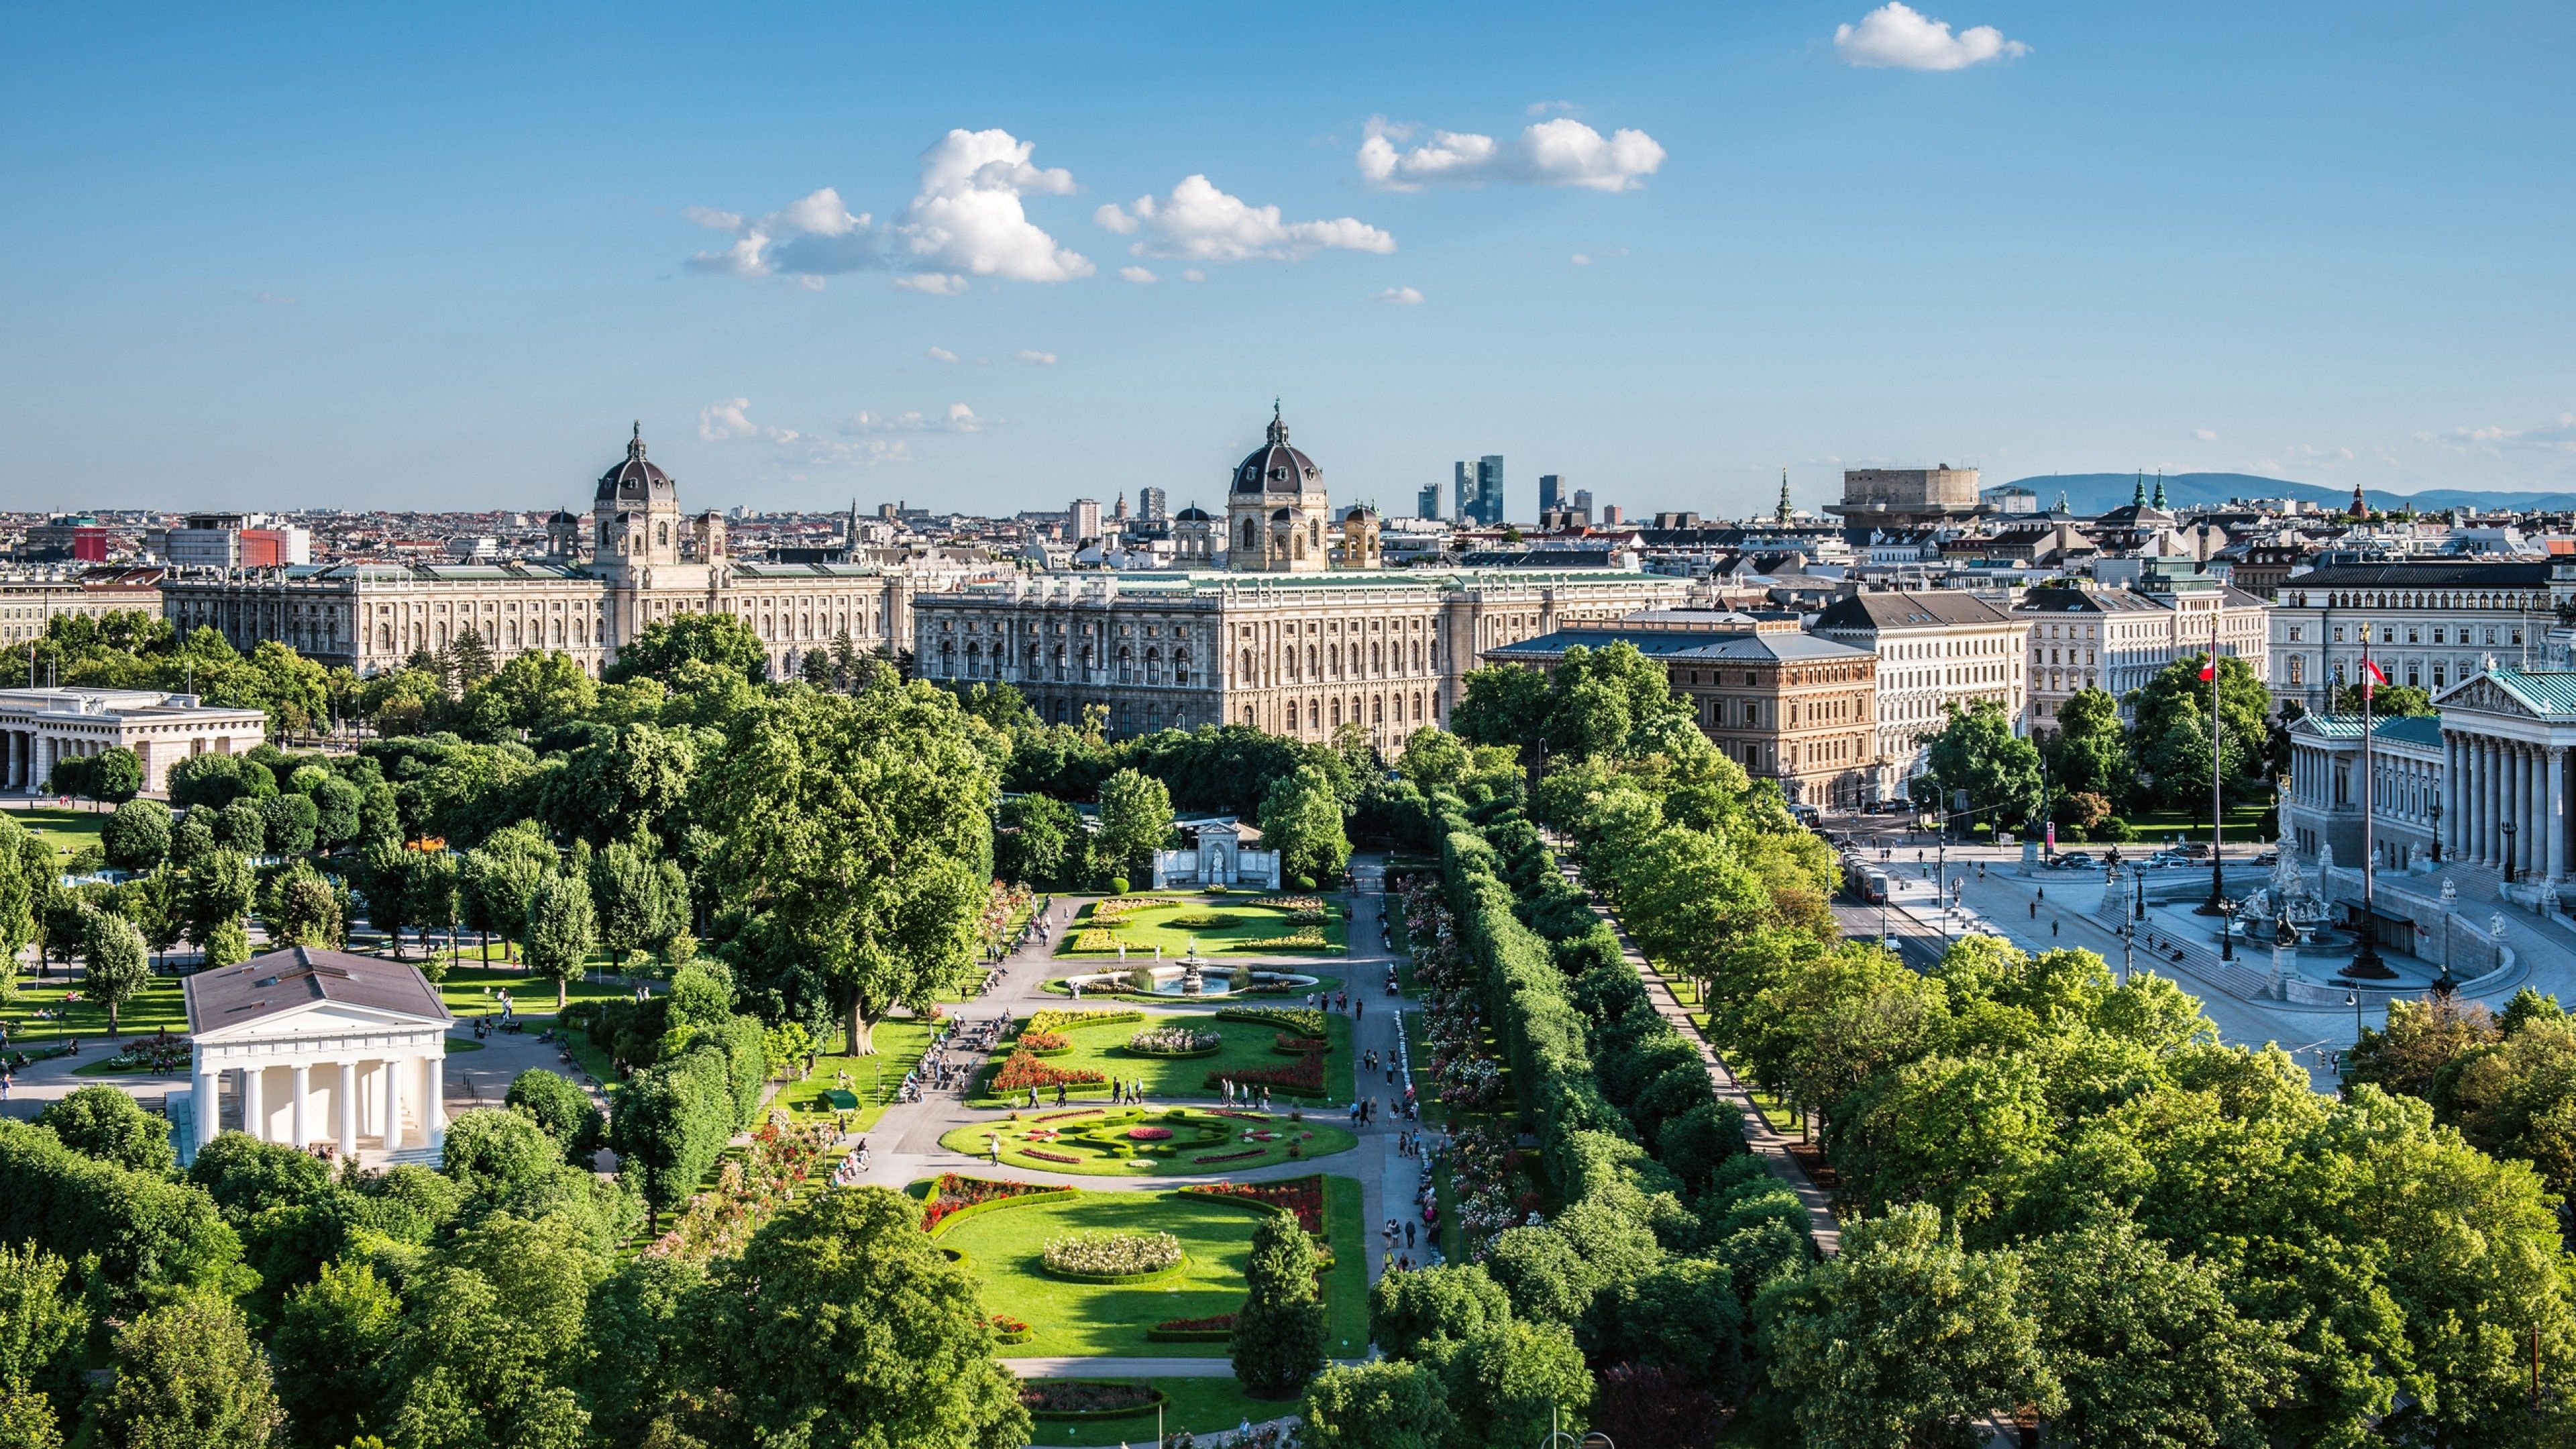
(209, 1105)
(2452, 825)
(436, 1104)
(302, 1121)
(2489, 843)
(2473, 768)
(391, 1068)
(254, 1097)
(344, 1105)
(2555, 816)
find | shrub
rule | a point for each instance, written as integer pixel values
(1279, 1333)
(1204, 921)
(1112, 1255)
(1082, 1398)
(1118, 885)
(1304, 1021)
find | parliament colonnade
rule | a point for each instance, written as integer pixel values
(2509, 742)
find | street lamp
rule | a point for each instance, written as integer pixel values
(2508, 828)
(2227, 934)
(2437, 832)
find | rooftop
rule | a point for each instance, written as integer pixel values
(301, 976)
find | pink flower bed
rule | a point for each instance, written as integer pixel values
(1045, 1156)
(1149, 1134)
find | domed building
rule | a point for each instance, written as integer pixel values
(1360, 547)
(1276, 508)
(1194, 540)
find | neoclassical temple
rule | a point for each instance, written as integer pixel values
(40, 728)
(2507, 735)
(319, 1047)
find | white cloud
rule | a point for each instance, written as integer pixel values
(959, 418)
(722, 421)
(864, 439)
(1139, 275)
(1560, 108)
(1581, 260)
(1110, 218)
(2206, 435)
(965, 221)
(1400, 297)
(1193, 274)
(1035, 358)
(277, 299)
(942, 354)
(2556, 436)
(1898, 36)
(1561, 152)
(1199, 223)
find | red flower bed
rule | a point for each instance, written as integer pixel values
(953, 1193)
(1149, 1134)
(1287, 1043)
(1305, 1077)
(1044, 1041)
(1231, 1156)
(1004, 1323)
(1303, 1196)
(1217, 1323)
(1043, 1155)
(1076, 1112)
(1024, 1071)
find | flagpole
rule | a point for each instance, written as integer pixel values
(2217, 902)
(2365, 957)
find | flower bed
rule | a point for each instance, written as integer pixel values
(1024, 1071)
(1112, 1257)
(1149, 1134)
(1298, 1046)
(1044, 1041)
(1204, 921)
(1292, 903)
(1303, 1021)
(1230, 1156)
(1095, 938)
(1306, 1079)
(953, 1194)
(1043, 1155)
(1175, 1041)
(1007, 1329)
(1118, 908)
(1076, 1112)
(1302, 1196)
(1059, 1399)
(1059, 1019)
(1216, 1328)
(748, 1191)
(1304, 938)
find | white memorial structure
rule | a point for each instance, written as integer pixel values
(1218, 853)
(319, 1048)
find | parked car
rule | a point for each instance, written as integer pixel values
(2075, 860)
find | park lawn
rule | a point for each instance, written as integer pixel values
(1090, 1135)
(1198, 1406)
(2159, 827)
(1323, 984)
(901, 1044)
(1096, 1319)
(468, 990)
(68, 831)
(1103, 1049)
(1146, 929)
(159, 1006)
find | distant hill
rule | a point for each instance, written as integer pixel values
(2102, 492)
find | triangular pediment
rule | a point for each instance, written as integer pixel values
(2483, 694)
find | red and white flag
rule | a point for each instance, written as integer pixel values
(2370, 676)
(2209, 666)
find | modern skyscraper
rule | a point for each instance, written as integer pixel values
(1489, 489)
(1549, 500)
(1429, 506)
(1462, 493)
(1150, 505)
(1083, 518)
(1582, 505)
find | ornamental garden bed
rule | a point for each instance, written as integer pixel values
(1056, 1400)
(1007, 1329)
(955, 1195)
(1302, 1197)
(1215, 1328)
(1230, 925)
(1114, 1257)
(1067, 1318)
(1103, 1047)
(1057, 987)
(1148, 1141)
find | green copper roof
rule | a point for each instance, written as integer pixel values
(2550, 693)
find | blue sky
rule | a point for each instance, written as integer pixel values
(441, 258)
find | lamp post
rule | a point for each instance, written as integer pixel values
(2508, 829)
(2227, 934)
(2352, 998)
(2437, 832)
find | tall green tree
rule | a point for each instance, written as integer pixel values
(626, 894)
(467, 662)
(501, 877)
(1279, 1332)
(2172, 731)
(188, 1377)
(561, 929)
(840, 1325)
(1505, 705)
(1135, 821)
(116, 775)
(118, 965)
(1039, 840)
(661, 648)
(2088, 753)
(1513, 1383)
(103, 1122)
(1977, 754)
(1302, 820)
(1904, 1338)
(852, 849)
(137, 836)
(1389, 1404)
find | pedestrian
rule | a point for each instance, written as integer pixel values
(2034, 910)
(2052, 926)
(1359, 1013)
(995, 1143)
(1408, 1237)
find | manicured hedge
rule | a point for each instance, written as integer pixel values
(1052, 1194)
(1156, 1399)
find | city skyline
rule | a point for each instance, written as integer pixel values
(365, 261)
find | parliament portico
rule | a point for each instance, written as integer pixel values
(2507, 738)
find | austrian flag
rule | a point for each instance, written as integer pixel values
(2209, 667)
(2370, 676)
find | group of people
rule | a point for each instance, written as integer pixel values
(1238, 1094)
(1338, 1001)
(853, 1166)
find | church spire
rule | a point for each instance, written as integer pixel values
(2160, 488)
(1783, 514)
(2138, 499)
(2360, 505)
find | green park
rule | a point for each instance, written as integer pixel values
(1171, 925)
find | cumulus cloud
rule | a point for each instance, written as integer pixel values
(1400, 297)
(941, 354)
(1035, 358)
(1561, 152)
(2206, 435)
(1898, 36)
(1139, 275)
(966, 220)
(1199, 223)
(861, 440)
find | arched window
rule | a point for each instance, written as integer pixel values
(1250, 542)
(1379, 717)
(1126, 665)
(1314, 715)
(1180, 666)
